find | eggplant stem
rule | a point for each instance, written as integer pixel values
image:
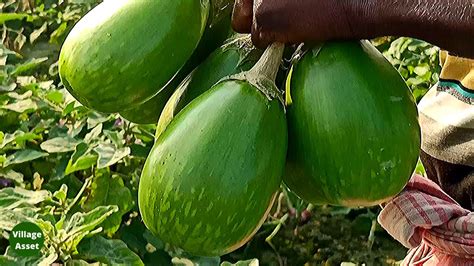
(269, 63)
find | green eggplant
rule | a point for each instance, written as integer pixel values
(216, 33)
(354, 137)
(149, 111)
(122, 52)
(234, 57)
(213, 174)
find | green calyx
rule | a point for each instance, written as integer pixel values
(262, 76)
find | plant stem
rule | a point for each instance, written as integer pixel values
(87, 183)
(269, 63)
(371, 238)
(277, 228)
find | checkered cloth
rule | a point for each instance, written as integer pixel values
(431, 224)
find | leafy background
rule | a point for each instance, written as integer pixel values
(75, 172)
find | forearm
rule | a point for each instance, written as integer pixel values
(446, 23)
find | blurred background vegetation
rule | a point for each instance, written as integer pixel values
(75, 171)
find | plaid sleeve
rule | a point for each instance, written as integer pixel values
(436, 229)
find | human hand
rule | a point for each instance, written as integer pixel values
(293, 21)
(445, 23)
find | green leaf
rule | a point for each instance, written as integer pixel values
(6, 51)
(23, 156)
(47, 226)
(69, 108)
(29, 136)
(108, 251)
(153, 240)
(43, 125)
(10, 218)
(132, 234)
(420, 169)
(109, 190)
(23, 96)
(110, 155)
(116, 137)
(421, 70)
(140, 151)
(58, 33)
(196, 261)
(61, 194)
(81, 224)
(253, 262)
(81, 159)
(159, 257)
(36, 33)
(93, 134)
(17, 205)
(7, 261)
(418, 93)
(59, 145)
(95, 118)
(28, 66)
(21, 106)
(7, 87)
(84, 162)
(12, 175)
(336, 210)
(9, 138)
(76, 128)
(11, 198)
(46, 259)
(19, 137)
(416, 80)
(361, 225)
(4, 17)
(80, 263)
(55, 96)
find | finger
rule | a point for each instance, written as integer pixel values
(242, 16)
(260, 39)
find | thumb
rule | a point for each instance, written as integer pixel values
(242, 16)
(261, 37)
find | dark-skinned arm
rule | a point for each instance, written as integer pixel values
(448, 24)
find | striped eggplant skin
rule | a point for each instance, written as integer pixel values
(213, 174)
(354, 137)
(234, 57)
(216, 33)
(124, 51)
